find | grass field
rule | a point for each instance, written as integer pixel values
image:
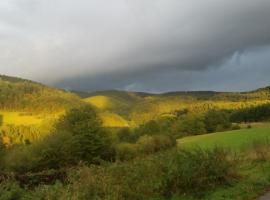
(255, 176)
(235, 140)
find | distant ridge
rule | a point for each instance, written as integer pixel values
(25, 95)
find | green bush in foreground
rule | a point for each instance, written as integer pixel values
(157, 176)
(78, 138)
(199, 170)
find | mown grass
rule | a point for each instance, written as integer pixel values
(234, 140)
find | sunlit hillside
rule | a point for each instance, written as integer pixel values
(138, 108)
(25, 106)
(23, 95)
(29, 109)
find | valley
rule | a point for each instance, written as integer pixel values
(110, 136)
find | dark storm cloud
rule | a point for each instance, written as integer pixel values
(152, 45)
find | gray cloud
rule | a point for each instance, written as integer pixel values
(154, 45)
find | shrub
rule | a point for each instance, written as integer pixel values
(199, 170)
(19, 159)
(11, 190)
(126, 135)
(153, 177)
(261, 149)
(126, 151)
(191, 125)
(236, 127)
(217, 120)
(78, 137)
(151, 144)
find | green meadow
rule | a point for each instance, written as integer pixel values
(234, 140)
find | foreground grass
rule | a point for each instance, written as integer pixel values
(204, 173)
(252, 147)
(254, 181)
(234, 140)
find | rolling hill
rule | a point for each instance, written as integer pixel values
(24, 102)
(138, 108)
(23, 95)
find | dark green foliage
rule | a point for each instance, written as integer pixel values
(253, 114)
(1, 120)
(78, 137)
(199, 170)
(155, 177)
(127, 135)
(150, 128)
(152, 144)
(162, 126)
(217, 120)
(11, 191)
(190, 125)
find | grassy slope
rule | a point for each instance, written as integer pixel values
(255, 175)
(236, 140)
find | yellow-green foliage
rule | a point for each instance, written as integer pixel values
(19, 118)
(101, 102)
(23, 95)
(112, 120)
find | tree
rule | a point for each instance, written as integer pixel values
(217, 120)
(190, 124)
(78, 137)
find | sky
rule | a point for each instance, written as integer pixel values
(139, 45)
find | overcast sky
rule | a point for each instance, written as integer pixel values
(142, 45)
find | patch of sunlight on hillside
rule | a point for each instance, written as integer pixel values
(101, 102)
(19, 118)
(112, 120)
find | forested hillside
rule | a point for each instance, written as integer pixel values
(23, 95)
(139, 108)
(29, 109)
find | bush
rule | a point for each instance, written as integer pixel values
(126, 151)
(199, 170)
(20, 159)
(11, 190)
(151, 144)
(236, 127)
(161, 175)
(191, 125)
(78, 137)
(217, 120)
(126, 135)
(261, 149)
